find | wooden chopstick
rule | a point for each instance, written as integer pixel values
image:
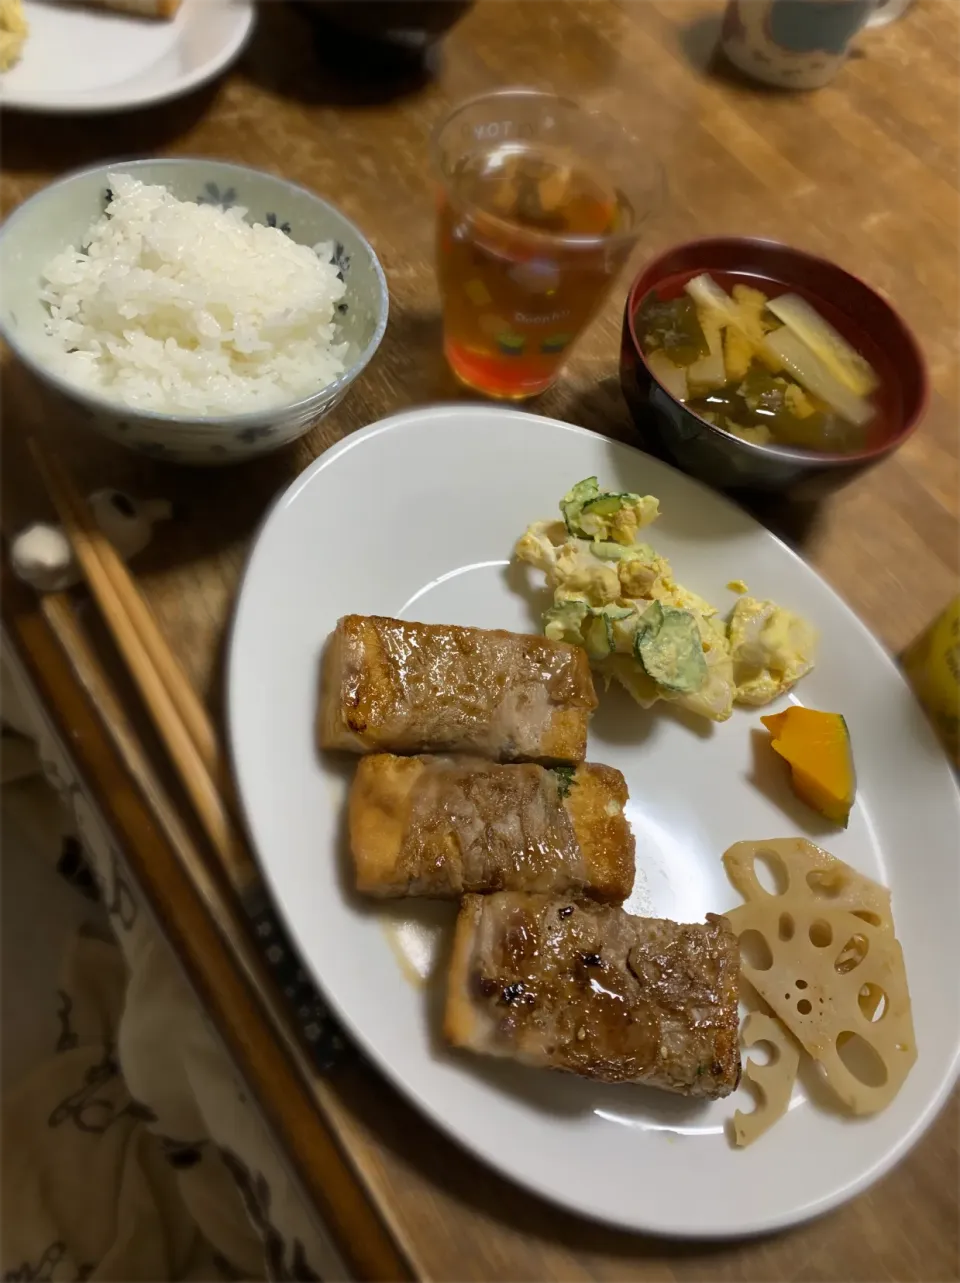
(206, 930)
(177, 712)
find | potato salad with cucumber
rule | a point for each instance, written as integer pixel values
(617, 598)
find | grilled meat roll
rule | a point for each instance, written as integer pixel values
(393, 686)
(440, 826)
(589, 989)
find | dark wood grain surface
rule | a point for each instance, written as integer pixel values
(864, 171)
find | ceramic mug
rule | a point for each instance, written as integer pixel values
(792, 44)
(885, 11)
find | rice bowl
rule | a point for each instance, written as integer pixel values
(266, 396)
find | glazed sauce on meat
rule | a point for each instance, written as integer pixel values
(482, 826)
(597, 992)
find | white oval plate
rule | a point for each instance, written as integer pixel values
(417, 516)
(79, 59)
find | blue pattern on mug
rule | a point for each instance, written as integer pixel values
(817, 26)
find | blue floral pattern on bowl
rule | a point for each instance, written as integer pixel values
(250, 436)
(341, 260)
(212, 195)
(271, 221)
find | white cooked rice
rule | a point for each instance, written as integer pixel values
(189, 309)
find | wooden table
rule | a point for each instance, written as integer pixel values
(863, 171)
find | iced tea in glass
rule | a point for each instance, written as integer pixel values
(540, 204)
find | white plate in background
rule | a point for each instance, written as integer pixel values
(417, 516)
(79, 59)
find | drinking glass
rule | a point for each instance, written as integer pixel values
(540, 204)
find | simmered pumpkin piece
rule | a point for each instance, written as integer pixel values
(817, 747)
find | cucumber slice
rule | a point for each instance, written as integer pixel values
(623, 625)
(598, 636)
(563, 622)
(651, 621)
(668, 646)
(571, 505)
(597, 512)
(605, 505)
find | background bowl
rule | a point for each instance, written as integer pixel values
(672, 432)
(61, 214)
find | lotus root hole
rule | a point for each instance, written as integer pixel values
(866, 916)
(764, 1053)
(821, 934)
(861, 1060)
(771, 872)
(801, 984)
(873, 1002)
(852, 954)
(755, 951)
(804, 1006)
(786, 926)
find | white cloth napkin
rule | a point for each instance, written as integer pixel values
(134, 1151)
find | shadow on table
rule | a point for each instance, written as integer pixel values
(796, 523)
(446, 1166)
(599, 405)
(300, 51)
(700, 45)
(412, 355)
(44, 144)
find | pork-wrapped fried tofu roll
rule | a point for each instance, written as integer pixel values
(440, 826)
(590, 989)
(396, 687)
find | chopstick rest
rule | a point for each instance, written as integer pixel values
(41, 554)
